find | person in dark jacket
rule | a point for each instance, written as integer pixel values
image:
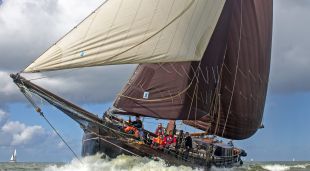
(135, 127)
(179, 140)
(137, 123)
(188, 145)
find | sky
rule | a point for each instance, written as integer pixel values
(29, 27)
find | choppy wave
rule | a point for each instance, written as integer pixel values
(130, 163)
(269, 166)
(121, 163)
(276, 167)
(279, 167)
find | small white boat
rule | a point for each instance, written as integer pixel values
(13, 157)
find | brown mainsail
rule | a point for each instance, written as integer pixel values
(227, 88)
(246, 69)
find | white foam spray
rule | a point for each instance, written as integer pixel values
(276, 167)
(280, 167)
(121, 163)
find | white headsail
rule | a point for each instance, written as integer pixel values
(135, 31)
(13, 157)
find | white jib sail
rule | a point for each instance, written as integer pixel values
(13, 157)
(135, 31)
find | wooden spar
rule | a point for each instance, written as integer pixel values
(198, 134)
(21, 82)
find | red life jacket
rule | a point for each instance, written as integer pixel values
(169, 139)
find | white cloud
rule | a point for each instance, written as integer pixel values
(3, 117)
(61, 145)
(27, 135)
(20, 134)
(13, 127)
(9, 91)
(7, 86)
(33, 139)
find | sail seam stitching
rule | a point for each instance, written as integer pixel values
(70, 30)
(159, 31)
(236, 70)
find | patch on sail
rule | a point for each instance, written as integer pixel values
(146, 95)
(82, 53)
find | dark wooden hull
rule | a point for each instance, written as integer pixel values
(101, 139)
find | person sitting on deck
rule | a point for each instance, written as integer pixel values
(159, 140)
(169, 140)
(160, 130)
(134, 127)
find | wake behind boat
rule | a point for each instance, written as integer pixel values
(204, 63)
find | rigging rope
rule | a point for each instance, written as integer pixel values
(217, 96)
(101, 137)
(53, 75)
(196, 72)
(236, 71)
(37, 109)
(24, 90)
(41, 113)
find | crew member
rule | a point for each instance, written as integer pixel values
(134, 127)
(158, 142)
(159, 130)
(188, 145)
(169, 140)
(179, 141)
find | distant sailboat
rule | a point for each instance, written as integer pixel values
(13, 157)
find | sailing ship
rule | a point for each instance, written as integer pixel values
(13, 157)
(204, 63)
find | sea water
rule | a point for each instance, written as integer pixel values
(129, 163)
